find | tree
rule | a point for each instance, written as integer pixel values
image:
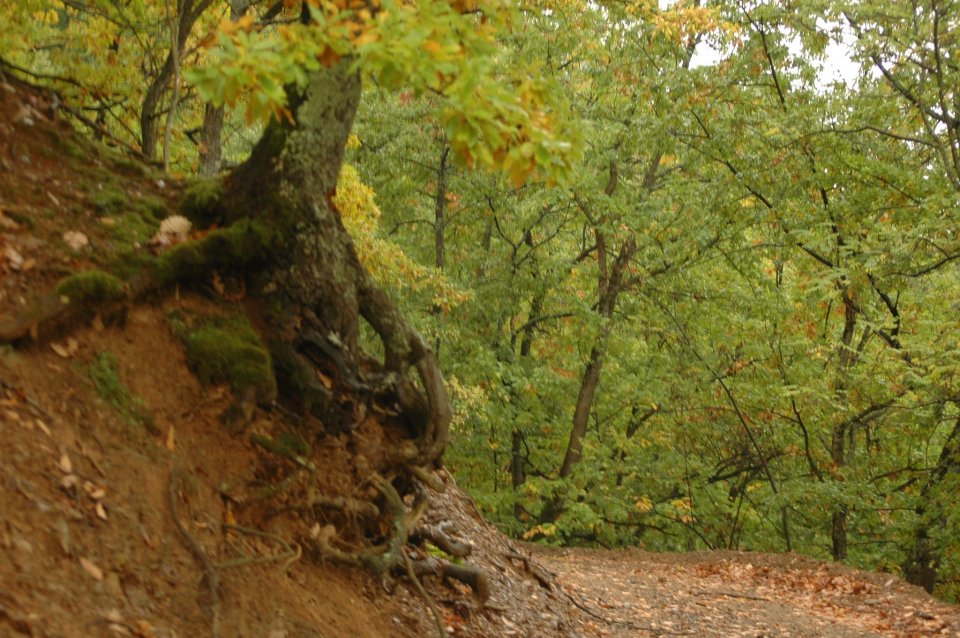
(286, 191)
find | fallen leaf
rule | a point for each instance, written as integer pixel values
(113, 615)
(91, 568)
(143, 629)
(325, 380)
(101, 511)
(7, 223)
(171, 442)
(43, 427)
(15, 258)
(61, 351)
(69, 481)
(66, 465)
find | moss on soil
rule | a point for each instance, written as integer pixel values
(227, 350)
(243, 242)
(106, 378)
(202, 202)
(91, 286)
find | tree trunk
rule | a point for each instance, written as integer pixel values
(610, 286)
(321, 289)
(211, 151)
(581, 414)
(440, 211)
(838, 441)
(924, 557)
(149, 109)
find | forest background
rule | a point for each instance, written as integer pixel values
(727, 319)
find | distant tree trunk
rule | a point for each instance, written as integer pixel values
(211, 149)
(440, 210)
(924, 556)
(838, 442)
(611, 285)
(518, 460)
(150, 108)
(173, 20)
(211, 133)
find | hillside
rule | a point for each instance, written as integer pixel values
(136, 500)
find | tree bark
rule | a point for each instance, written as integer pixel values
(924, 556)
(321, 289)
(211, 149)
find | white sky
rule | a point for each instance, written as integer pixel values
(836, 65)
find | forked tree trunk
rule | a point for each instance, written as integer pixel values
(321, 289)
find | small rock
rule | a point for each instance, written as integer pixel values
(75, 239)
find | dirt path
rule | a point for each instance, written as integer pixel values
(633, 593)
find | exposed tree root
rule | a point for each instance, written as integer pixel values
(291, 554)
(544, 578)
(210, 574)
(474, 577)
(437, 535)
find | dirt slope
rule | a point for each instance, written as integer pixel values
(123, 494)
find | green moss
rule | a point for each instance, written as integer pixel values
(227, 350)
(69, 147)
(91, 286)
(108, 200)
(103, 372)
(202, 202)
(127, 164)
(244, 242)
(132, 227)
(153, 206)
(130, 263)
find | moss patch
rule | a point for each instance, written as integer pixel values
(103, 372)
(202, 202)
(108, 200)
(91, 286)
(227, 350)
(243, 243)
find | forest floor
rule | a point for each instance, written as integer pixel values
(631, 593)
(122, 491)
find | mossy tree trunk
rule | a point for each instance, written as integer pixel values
(322, 290)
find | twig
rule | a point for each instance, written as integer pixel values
(441, 630)
(209, 569)
(729, 594)
(104, 131)
(615, 621)
(291, 554)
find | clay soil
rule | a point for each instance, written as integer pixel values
(115, 522)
